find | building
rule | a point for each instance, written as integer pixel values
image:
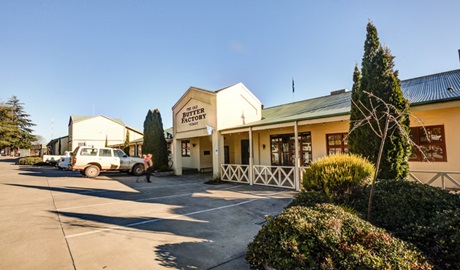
(198, 117)
(58, 146)
(98, 131)
(230, 132)
(135, 146)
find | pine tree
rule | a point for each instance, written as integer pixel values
(126, 144)
(7, 129)
(147, 146)
(355, 114)
(379, 79)
(18, 131)
(154, 140)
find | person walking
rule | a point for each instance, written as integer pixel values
(148, 165)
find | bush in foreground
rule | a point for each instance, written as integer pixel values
(327, 237)
(31, 161)
(309, 198)
(426, 216)
(338, 175)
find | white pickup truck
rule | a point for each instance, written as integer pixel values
(54, 159)
(90, 161)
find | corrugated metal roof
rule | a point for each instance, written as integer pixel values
(422, 90)
(432, 88)
(338, 104)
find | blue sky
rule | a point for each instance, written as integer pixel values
(122, 58)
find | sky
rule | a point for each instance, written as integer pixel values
(124, 58)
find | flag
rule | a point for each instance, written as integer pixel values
(209, 129)
(293, 88)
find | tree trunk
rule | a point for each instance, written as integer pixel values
(377, 165)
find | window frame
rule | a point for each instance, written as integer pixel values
(282, 148)
(416, 134)
(185, 148)
(343, 147)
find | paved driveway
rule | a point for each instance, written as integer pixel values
(51, 219)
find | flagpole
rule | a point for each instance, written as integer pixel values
(293, 90)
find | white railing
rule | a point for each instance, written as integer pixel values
(235, 173)
(284, 177)
(277, 176)
(438, 179)
(302, 170)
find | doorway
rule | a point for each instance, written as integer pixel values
(226, 154)
(245, 152)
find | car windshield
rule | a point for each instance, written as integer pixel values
(120, 153)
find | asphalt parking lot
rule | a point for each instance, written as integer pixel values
(52, 219)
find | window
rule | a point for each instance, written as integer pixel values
(283, 149)
(185, 148)
(88, 152)
(337, 143)
(432, 143)
(105, 152)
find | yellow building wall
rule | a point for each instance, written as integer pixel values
(429, 115)
(205, 152)
(318, 132)
(448, 117)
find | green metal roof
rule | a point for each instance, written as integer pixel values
(440, 87)
(321, 107)
(433, 88)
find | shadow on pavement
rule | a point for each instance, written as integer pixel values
(220, 237)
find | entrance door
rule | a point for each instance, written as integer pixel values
(245, 152)
(226, 154)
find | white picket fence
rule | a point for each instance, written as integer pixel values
(276, 176)
(445, 180)
(284, 177)
(235, 173)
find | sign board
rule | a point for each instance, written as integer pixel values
(194, 115)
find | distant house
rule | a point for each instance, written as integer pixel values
(58, 146)
(135, 146)
(99, 130)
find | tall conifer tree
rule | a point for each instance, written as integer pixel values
(379, 78)
(126, 144)
(147, 146)
(154, 140)
(19, 134)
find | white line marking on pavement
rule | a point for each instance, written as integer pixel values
(265, 196)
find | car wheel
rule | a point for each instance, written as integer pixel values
(92, 171)
(138, 169)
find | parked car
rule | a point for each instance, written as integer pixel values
(54, 159)
(90, 161)
(64, 162)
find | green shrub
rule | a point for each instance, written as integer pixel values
(327, 237)
(426, 216)
(440, 241)
(30, 161)
(398, 203)
(338, 175)
(309, 198)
